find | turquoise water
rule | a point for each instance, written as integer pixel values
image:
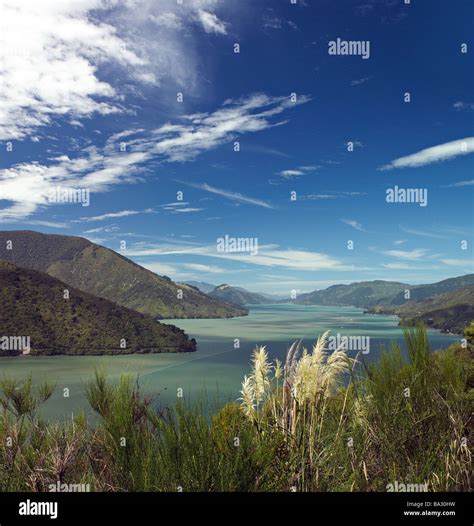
(217, 366)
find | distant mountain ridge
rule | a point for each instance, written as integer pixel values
(102, 272)
(238, 295)
(446, 305)
(365, 294)
(35, 307)
(360, 294)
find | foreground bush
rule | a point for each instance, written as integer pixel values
(319, 422)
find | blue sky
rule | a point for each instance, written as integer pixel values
(90, 101)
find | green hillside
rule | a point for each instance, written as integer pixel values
(449, 312)
(421, 292)
(361, 294)
(34, 306)
(104, 273)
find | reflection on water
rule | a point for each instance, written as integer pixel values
(217, 366)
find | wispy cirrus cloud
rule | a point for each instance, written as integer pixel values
(459, 184)
(422, 233)
(452, 262)
(233, 196)
(435, 154)
(354, 224)
(268, 256)
(358, 82)
(437, 231)
(417, 253)
(115, 215)
(205, 131)
(331, 195)
(265, 150)
(49, 224)
(407, 266)
(187, 210)
(199, 267)
(106, 229)
(297, 172)
(27, 185)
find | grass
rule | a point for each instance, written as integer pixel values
(318, 422)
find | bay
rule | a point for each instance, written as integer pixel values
(222, 359)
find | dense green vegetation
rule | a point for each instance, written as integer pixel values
(104, 273)
(449, 312)
(297, 427)
(34, 305)
(422, 292)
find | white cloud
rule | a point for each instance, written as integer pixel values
(173, 206)
(53, 53)
(296, 172)
(290, 173)
(169, 19)
(422, 233)
(49, 224)
(187, 210)
(233, 196)
(211, 23)
(358, 82)
(460, 184)
(406, 266)
(459, 105)
(467, 263)
(271, 21)
(354, 224)
(49, 53)
(442, 152)
(268, 256)
(198, 267)
(110, 215)
(27, 185)
(107, 229)
(205, 131)
(332, 195)
(160, 268)
(417, 253)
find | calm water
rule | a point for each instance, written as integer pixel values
(217, 366)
